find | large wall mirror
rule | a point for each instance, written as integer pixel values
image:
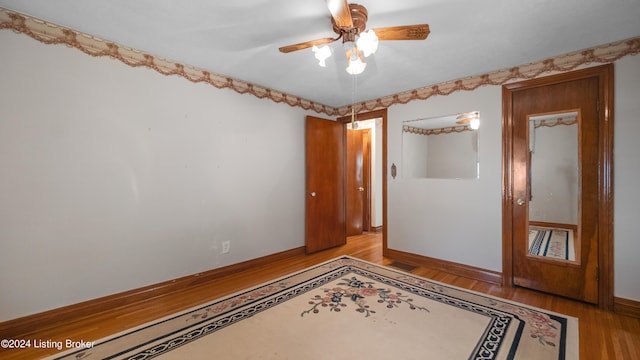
(443, 147)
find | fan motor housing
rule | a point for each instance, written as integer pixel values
(359, 15)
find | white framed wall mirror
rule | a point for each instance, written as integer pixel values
(442, 147)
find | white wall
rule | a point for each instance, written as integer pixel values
(452, 156)
(460, 220)
(113, 178)
(626, 179)
(454, 220)
(415, 152)
(376, 216)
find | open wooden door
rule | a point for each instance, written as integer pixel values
(325, 208)
(358, 181)
(367, 167)
(355, 182)
(579, 99)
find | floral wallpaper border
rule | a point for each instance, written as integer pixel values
(49, 33)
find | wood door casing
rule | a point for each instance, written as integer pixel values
(592, 281)
(355, 182)
(367, 167)
(358, 181)
(380, 114)
(325, 213)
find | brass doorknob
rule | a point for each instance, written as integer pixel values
(520, 201)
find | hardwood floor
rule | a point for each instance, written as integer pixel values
(603, 335)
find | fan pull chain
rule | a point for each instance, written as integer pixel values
(354, 82)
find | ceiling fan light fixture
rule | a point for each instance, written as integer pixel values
(474, 123)
(349, 21)
(367, 42)
(322, 54)
(356, 64)
(356, 67)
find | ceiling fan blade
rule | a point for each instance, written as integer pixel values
(407, 32)
(341, 13)
(465, 118)
(467, 115)
(306, 44)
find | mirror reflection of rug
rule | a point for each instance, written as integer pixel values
(349, 309)
(552, 243)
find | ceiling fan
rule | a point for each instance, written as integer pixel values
(349, 22)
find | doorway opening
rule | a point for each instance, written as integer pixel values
(325, 154)
(364, 170)
(366, 159)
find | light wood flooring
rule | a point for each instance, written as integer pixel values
(603, 335)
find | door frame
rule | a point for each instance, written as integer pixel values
(605, 173)
(375, 114)
(367, 168)
(363, 137)
(356, 204)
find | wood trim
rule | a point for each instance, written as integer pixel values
(605, 190)
(626, 307)
(66, 314)
(367, 169)
(385, 246)
(382, 114)
(605, 196)
(450, 267)
(572, 227)
(507, 187)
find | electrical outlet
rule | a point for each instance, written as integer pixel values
(226, 247)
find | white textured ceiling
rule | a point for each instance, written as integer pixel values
(240, 38)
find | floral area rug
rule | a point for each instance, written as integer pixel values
(349, 309)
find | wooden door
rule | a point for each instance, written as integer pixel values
(325, 184)
(355, 182)
(581, 92)
(358, 181)
(367, 167)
